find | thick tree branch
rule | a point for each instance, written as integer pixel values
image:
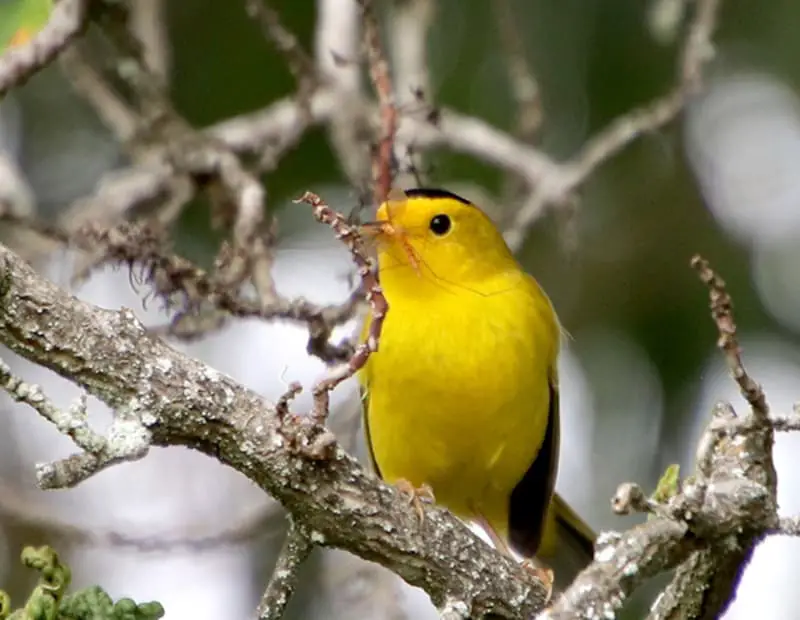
(181, 401)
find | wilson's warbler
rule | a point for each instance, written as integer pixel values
(462, 395)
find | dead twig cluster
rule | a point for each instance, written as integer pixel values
(377, 302)
(194, 296)
(267, 134)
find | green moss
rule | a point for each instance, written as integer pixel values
(668, 485)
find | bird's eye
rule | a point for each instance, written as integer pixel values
(440, 224)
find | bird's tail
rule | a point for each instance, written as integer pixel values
(568, 547)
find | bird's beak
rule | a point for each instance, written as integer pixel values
(376, 229)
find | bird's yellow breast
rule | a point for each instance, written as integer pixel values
(457, 395)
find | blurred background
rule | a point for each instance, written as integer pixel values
(640, 373)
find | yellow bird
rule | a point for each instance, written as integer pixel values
(462, 395)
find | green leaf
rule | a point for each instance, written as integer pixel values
(22, 19)
(668, 486)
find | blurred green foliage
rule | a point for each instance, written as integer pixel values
(20, 19)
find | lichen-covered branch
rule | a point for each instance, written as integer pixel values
(181, 401)
(296, 549)
(707, 528)
(127, 440)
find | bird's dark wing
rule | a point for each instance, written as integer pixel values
(367, 438)
(527, 510)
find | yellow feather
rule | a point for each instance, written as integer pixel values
(459, 394)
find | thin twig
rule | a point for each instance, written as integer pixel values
(524, 84)
(721, 312)
(296, 549)
(282, 406)
(337, 41)
(554, 189)
(112, 110)
(73, 424)
(789, 526)
(149, 24)
(45, 229)
(384, 161)
(698, 50)
(300, 63)
(127, 440)
(409, 31)
(630, 499)
(787, 423)
(374, 295)
(410, 24)
(527, 97)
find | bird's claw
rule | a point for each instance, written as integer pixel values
(416, 496)
(545, 575)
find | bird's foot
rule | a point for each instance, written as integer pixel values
(416, 496)
(545, 575)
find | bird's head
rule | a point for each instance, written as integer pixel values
(427, 236)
